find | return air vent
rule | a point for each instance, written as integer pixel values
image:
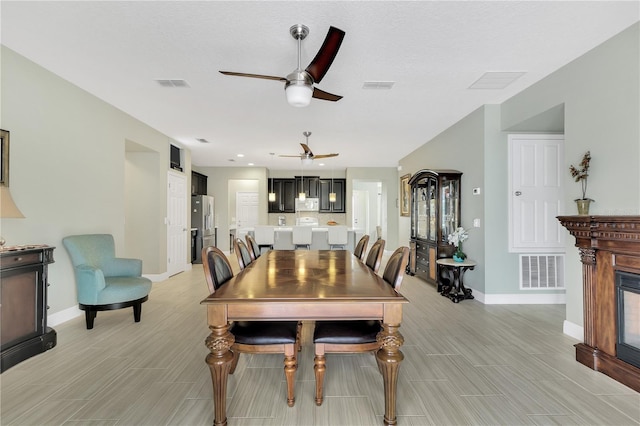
(173, 83)
(378, 85)
(541, 271)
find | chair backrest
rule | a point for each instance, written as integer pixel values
(90, 249)
(254, 248)
(396, 266)
(302, 235)
(375, 255)
(361, 247)
(264, 235)
(217, 269)
(242, 253)
(337, 235)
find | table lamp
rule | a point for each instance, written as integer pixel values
(8, 209)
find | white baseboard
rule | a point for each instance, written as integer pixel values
(521, 299)
(573, 330)
(64, 316)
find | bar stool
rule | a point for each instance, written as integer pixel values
(337, 237)
(302, 236)
(264, 236)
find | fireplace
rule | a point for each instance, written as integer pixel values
(628, 321)
(609, 248)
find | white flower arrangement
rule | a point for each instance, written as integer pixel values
(458, 236)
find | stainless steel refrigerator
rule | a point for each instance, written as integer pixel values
(203, 222)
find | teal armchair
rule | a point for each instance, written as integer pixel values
(103, 281)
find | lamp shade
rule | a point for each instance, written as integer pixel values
(332, 197)
(272, 197)
(299, 95)
(8, 208)
(302, 196)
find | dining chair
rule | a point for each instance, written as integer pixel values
(256, 337)
(254, 248)
(242, 253)
(302, 236)
(353, 336)
(375, 255)
(265, 236)
(337, 236)
(361, 247)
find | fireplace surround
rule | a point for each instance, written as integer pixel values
(608, 245)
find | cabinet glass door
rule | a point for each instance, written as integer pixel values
(421, 212)
(431, 188)
(450, 209)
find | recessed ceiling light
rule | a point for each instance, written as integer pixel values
(240, 155)
(496, 80)
(251, 164)
(321, 164)
(178, 82)
(378, 85)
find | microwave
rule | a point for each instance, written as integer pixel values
(308, 205)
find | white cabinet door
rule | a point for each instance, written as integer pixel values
(535, 192)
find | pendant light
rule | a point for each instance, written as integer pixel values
(272, 195)
(301, 195)
(332, 195)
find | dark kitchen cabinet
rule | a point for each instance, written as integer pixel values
(326, 186)
(285, 190)
(308, 185)
(198, 184)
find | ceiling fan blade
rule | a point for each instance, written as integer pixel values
(325, 156)
(293, 156)
(327, 53)
(325, 96)
(264, 77)
(307, 150)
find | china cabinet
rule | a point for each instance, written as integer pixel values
(435, 213)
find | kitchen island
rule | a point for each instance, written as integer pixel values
(283, 237)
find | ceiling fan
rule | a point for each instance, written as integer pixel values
(299, 85)
(308, 156)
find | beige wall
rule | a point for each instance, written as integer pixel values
(72, 172)
(597, 94)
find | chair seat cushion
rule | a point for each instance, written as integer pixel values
(123, 289)
(346, 332)
(264, 332)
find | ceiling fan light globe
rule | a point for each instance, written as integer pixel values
(307, 161)
(299, 95)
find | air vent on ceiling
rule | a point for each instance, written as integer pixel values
(496, 80)
(378, 85)
(172, 83)
(202, 140)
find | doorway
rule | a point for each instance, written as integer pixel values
(367, 208)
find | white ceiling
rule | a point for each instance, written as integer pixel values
(432, 50)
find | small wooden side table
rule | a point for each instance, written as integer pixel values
(456, 291)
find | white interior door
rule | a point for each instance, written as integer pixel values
(360, 211)
(246, 209)
(176, 223)
(535, 192)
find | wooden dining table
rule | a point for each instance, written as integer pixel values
(299, 285)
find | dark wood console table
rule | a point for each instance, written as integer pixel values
(607, 244)
(455, 290)
(23, 303)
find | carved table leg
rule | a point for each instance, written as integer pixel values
(389, 358)
(220, 361)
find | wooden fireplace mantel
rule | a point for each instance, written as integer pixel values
(607, 244)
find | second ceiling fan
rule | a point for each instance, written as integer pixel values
(308, 156)
(299, 84)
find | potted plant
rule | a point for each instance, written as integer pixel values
(581, 175)
(456, 238)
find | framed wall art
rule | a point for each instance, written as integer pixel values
(4, 157)
(405, 195)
